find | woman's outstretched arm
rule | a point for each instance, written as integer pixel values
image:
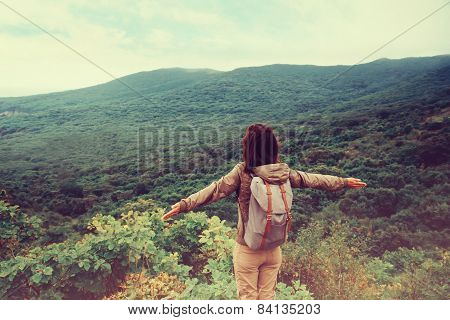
(215, 191)
(300, 179)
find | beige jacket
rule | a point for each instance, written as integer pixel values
(238, 181)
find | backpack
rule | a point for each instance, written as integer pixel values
(269, 217)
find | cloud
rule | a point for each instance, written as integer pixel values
(159, 39)
(192, 17)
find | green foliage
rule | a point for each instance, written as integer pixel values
(419, 275)
(142, 287)
(380, 271)
(329, 261)
(295, 292)
(373, 203)
(218, 280)
(135, 257)
(71, 189)
(182, 235)
(17, 230)
(326, 259)
(95, 264)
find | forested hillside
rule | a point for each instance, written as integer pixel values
(91, 170)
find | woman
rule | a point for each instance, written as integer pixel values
(256, 270)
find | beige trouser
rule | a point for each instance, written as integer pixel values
(256, 272)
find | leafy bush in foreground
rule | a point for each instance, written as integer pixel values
(138, 256)
(139, 286)
(332, 263)
(93, 266)
(18, 230)
(328, 263)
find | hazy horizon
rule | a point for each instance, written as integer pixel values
(168, 68)
(126, 38)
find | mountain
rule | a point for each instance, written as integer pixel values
(70, 154)
(365, 78)
(93, 169)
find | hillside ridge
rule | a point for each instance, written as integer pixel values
(165, 74)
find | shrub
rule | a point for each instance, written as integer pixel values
(295, 292)
(18, 230)
(140, 189)
(419, 276)
(324, 259)
(71, 189)
(217, 247)
(138, 256)
(94, 265)
(139, 286)
(182, 236)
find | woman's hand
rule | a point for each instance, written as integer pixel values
(175, 210)
(355, 183)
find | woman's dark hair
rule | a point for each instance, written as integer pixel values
(259, 146)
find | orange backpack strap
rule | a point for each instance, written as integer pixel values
(286, 208)
(269, 214)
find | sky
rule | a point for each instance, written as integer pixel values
(125, 37)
